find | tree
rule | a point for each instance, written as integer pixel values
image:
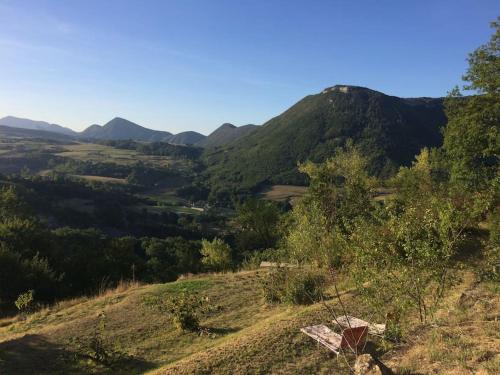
(340, 186)
(12, 204)
(406, 249)
(308, 239)
(167, 258)
(216, 255)
(257, 221)
(340, 192)
(471, 138)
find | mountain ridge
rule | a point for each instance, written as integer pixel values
(225, 134)
(119, 128)
(24, 123)
(389, 130)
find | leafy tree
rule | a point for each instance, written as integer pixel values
(471, 138)
(340, 192)
(162, 260)
(308, 239)
(18, 274)
(257, 221)
(340, 186)
(406, 249)
(11, 203)
(216, 255)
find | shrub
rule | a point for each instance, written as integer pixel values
(304, 287)
(25, 303)
(295, 287)
(273, 285)
(183, 309)
(97, 347)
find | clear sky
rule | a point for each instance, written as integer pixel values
(193, 64)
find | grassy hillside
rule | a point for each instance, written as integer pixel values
(246, 335)
(389, 130)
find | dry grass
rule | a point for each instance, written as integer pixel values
(246, 335)
(102, 153)
(464, 339)
(144, 336)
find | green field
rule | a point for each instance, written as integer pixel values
(102, 153)
(28, 154)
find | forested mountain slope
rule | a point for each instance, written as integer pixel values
(388, 129)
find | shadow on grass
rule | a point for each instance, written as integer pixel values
(33, 354)
(221, 331)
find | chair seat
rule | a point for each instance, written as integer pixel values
(324, 336)
(347, 321)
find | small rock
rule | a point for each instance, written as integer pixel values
(366, 365)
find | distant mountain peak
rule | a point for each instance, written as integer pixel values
(345, 89)
(227, 125)
(226, 133)
(120, 128)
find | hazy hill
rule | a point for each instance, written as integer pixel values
(24, 123)
(120, 128)
(186, 138)
(389, 130)
(225, 134)
(11, 132)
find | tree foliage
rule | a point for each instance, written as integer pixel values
(257, 222)
(216, 255)
(471, 137)
(340, 191)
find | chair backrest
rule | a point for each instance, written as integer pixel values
(353, 337)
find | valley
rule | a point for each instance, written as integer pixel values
(356, 232)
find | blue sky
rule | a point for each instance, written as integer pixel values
(194, 64)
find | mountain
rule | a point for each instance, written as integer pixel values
(389, 130)
(24, 123)
(225, 134)
(119, 128)
(186, 138)
(10, 132)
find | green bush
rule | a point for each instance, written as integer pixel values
(25, 303)
(183, 309)
(304, 288)
(295, 287)
(273, 285)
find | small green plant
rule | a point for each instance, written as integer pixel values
(184, 309)
(25, 303)
(97, 347)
